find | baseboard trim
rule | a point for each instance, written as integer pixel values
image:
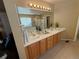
(67, 39)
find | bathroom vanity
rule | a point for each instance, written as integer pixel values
(39, 46)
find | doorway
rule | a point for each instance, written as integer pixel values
(8, 48)
(76, 37)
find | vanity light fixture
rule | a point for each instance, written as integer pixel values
(39, 6)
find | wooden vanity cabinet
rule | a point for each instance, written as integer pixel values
(43, 46)
(50, 42)
(33, 51)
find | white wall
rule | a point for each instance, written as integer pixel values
(78, 7)
(65, 13)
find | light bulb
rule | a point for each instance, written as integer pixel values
(38, 6)
(34, 5)
(43, 7)
(31, 4)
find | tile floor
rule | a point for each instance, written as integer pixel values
(63, 51)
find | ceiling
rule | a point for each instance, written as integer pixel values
(2, 8)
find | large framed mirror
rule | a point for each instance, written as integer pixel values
(31, 20)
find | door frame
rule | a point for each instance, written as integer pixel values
(77, 26)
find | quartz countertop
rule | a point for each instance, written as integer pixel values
(43, 36)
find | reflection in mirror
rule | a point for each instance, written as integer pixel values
(26, 21)
(48, 22)
(28, 11)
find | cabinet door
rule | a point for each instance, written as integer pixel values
(50, 42)
(42, 46)
(33, 51)
(56, 38)
(27, 52)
